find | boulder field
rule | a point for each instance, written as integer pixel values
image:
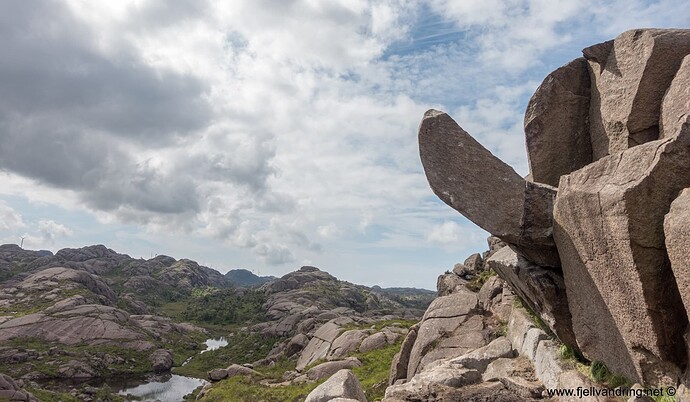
(598, 230)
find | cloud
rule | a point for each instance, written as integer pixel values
(446, 233)
(289, 134)
(10, 220)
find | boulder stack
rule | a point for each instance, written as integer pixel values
(600, 229)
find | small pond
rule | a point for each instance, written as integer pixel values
(169, 387)
(172, 389)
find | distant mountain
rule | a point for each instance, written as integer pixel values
(404, 291)
(245, 278)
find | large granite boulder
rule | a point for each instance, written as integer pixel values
(543, 290)
(609, 220)
(470, 179)
(557, 124)
(628, 85)
(320, 344)
(342, 384)
(451, 327)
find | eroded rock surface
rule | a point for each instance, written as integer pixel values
(557, 124)
(629, 85)
(619, 163)
(470, 179)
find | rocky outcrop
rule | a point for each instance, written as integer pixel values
(466, 176)
(609, 227)
(628, 86)
(676, 103)
(11, 391)
(343, 385)
(161, 360)
(451, 327)
(231, 371)
(327, 369)
(302, 301)
(624, 291)
(542, 289)
(557, 125)
(677, 240)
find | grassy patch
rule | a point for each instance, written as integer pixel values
(106, 360)
(242, 348)
(247, 389)
(479, 280)
(375, 370)
(373, 374)
(103, 394)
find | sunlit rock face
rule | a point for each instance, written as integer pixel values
(603, 212)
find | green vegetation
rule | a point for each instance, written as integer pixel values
(106, 360)
(104, 394)
(375, 370)
(373, 374)
(215, 306)
(242, 348)
(596, 371)
(479, 280)
(536, 319)
(247, 389)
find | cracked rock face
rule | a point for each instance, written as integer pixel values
(611, 131)
(628, 86)
(609, 219)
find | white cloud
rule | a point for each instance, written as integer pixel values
(284, 129)
(445, 234)
(10, 220)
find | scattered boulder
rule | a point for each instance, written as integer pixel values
(342, 384)
(11, 391)
(473, 263)
(401, 360)
(296, 344)
(449, 283)
(372, 342)
(346, 343)
(327, 369)
(161, 360)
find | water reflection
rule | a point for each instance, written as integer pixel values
(213, 344)
(172, 389)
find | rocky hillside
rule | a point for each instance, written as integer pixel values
(245, 278)
(94, 313)
(600, 225)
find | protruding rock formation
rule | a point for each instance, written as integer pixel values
(466, 176)
(619, 164)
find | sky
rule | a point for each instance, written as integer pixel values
(271, 134)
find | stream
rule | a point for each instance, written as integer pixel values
(169, 387)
